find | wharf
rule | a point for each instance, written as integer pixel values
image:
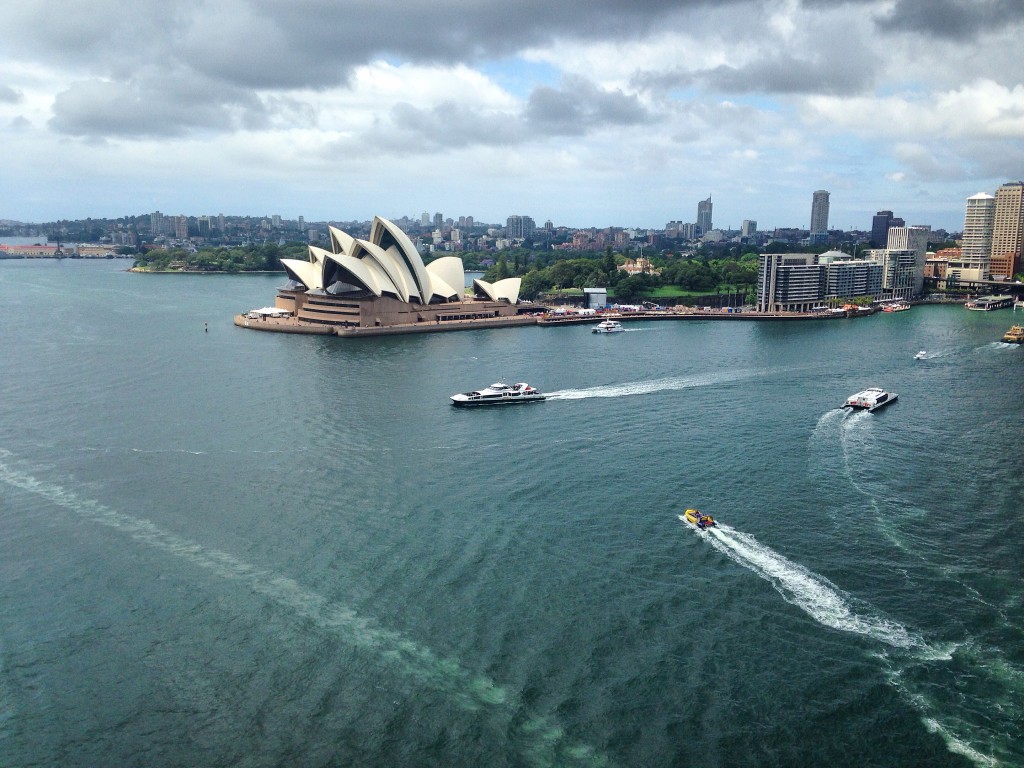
(686, 315)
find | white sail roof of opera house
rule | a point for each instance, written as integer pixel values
(507, 289)
(387, 263)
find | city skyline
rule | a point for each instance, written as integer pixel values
(586, 114)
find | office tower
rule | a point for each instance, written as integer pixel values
(748, 228)
(819, 216)
(425, 219)
(880, 224)
(909, 238)
(276, 220)
(976, 251)
(1007, 230)
(181, 227)
(704, 222)
(438, 220)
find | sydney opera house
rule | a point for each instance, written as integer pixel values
(383, 283)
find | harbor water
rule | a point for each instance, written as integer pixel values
(230, 548)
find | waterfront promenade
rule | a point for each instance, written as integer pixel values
(293, 325)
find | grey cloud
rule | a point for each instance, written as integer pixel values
(314, 43)
(580, 107)
(447, 125)
(951, 19)
(269, 44)
(152, 106)
(783, 73)
(576, 109)
(8, 95)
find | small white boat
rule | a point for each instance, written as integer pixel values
(870, 399)
(921, 355)
(608, 326)
(499, 394)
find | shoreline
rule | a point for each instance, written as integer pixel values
(291, 325)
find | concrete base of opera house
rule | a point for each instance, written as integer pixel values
(293, 325)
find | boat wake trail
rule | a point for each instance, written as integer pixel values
(542, 740)
(814, 594)
(911, 665)
(654, 385)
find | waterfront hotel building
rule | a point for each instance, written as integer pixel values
(382, 282)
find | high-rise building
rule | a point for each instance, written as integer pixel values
(520, 226)
(438, 220)
(181, 227)
(909, 238)
(1007, 230)
(977, 245)
(425, 219)
(880, 224)
(704, 221)
(748, 228)
(819, 216)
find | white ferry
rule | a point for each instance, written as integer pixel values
(499, 394)
(870, 399)
(988, 303)
(608, 326)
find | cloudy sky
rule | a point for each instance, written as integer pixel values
(585, 112)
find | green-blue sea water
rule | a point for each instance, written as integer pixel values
(230, 548)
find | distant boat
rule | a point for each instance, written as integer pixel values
(896, 306)
(608, 326)
(921, 355)
(988, 303)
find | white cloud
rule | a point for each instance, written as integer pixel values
(356, 104)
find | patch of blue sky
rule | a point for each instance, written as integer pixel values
(904, 88)
(760, 102)
(520, 77)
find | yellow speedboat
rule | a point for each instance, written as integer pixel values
(697, 518)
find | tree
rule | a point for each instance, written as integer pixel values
(501, 271)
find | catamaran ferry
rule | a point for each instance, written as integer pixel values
(499, 394)
(870, 399)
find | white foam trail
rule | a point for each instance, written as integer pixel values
(957, 745)
(998, 345)
(814, 594)
(647, 387)
(468, 689)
